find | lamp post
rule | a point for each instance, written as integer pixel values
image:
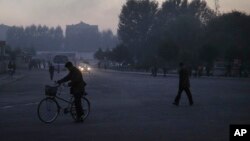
(2, 54)
(2, 49)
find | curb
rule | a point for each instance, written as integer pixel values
(138, 73)
(174, 75)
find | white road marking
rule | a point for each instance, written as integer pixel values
(33, 103)
(6, 107)
(12, 106)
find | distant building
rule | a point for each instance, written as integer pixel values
(81, 28)
(3, 31)
(82, 37)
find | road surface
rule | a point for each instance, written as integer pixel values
(128, 107)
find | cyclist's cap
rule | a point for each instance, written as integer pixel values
(68, 65)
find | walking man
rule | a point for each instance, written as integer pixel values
(184, 84)
(11, 68)
(51, 71)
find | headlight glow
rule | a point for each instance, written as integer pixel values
(80, 68)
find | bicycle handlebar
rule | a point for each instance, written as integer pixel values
(62, 84)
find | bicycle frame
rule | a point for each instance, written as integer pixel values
(70, 102)
(62, 99)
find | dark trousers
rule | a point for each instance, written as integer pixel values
(78, 104)
(51, 75)
(187, 90)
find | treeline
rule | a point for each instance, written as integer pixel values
(79, 37)
(37, 37)
(178, 30)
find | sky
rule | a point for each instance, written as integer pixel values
(103, 13)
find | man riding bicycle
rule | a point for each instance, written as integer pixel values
(77, 87)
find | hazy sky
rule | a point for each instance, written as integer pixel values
(63, 12)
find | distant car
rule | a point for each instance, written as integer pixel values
(84, 68)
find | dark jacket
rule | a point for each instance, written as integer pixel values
(76, 83)
(51, 68)
(184, 78)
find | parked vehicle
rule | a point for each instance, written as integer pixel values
(219, 69)
(59, 62)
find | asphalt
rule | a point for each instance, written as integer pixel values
(128, 107)
(5, 78)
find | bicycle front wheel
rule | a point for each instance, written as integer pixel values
(48, 110)
(85, 106)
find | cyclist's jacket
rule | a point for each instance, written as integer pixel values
(76, 83)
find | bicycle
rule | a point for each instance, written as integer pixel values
(49, 108)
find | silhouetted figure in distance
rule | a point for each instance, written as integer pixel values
(164, 71)
(11, 68)
(51, 71)
(200, 69)
(229, 70)
(14, 67)
(208, 69)
(184, 84)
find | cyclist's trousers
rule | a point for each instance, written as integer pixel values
(78, 104)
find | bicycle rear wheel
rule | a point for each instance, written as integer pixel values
(48, 110)
(85, 107)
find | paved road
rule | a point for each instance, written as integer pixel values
(128, 107)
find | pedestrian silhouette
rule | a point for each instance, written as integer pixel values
(208, 69)
(164, 69)
(154, 70)
(229, 70)
(184, 84)
(11, 68)
(14, 67)
(51, 71)
(200, 69)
